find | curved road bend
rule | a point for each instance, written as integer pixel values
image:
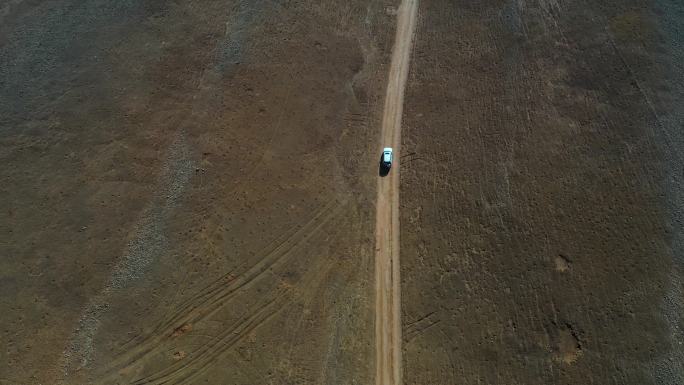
(387, 290)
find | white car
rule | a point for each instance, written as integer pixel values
(387, 157)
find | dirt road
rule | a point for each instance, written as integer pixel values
(388, 300)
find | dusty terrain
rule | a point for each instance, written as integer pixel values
(188, 190)
(541, 225)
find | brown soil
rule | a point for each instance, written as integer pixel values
(567, 346)
(188, 190)
(562, 263)
(179, 331)
(536, 241)
(189, 193)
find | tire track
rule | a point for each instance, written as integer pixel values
(201, 360)
(218, 294)
(289, 293)
(183, 371)
(219, 285)
(218, 291)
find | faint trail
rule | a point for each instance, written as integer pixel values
(214, 298)
(184, 371)
(387, 290)
(216, 292)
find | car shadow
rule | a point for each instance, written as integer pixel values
(382, 169)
